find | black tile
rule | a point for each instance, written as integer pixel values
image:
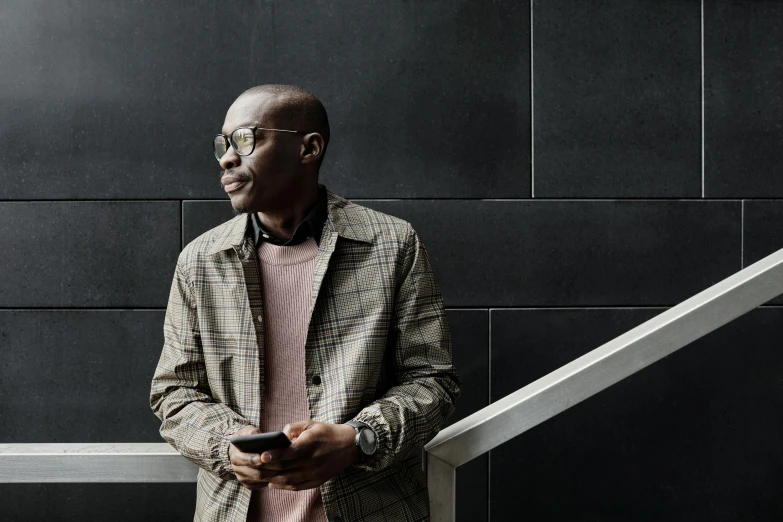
(470, 352)
(79, 376)
(83, 376)
(763, 232)
(201, 216)
(88, 253)
(435, 102)
(617, 99)
(424, 99)
(127, 100)
(472, 491)
(743, 81)
(89, 502)
(695, 436)
(558, 253)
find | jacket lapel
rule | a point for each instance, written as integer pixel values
(346, 220)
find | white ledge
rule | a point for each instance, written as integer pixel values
(95, 448)
(94, 462)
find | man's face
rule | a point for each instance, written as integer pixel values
(269, 173)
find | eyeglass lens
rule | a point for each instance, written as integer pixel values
(242, 140)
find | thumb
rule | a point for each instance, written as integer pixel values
(294, 429)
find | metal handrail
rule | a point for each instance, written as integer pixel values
(96, 462)
(464, 440)
(540, 400)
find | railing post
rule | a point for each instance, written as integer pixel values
(441, 481)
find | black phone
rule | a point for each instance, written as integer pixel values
(260, 442)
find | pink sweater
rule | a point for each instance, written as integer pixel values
(287, 276)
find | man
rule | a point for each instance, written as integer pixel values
(307, 314)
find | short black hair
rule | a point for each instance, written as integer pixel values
(298, 109)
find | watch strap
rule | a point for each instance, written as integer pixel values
(359, 426)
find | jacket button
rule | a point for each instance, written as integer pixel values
(317, 380)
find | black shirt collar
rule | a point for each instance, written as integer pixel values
(312, 225)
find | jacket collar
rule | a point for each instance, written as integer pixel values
(312, 225)
(343, 216)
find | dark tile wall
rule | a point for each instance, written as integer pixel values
(572, 168)
(694, 436)
(428, 99)
(743, 96)
(616, 99)
(763, 231)
(77, 254)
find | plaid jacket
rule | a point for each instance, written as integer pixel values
(377, 337)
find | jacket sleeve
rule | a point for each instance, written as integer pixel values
(426, 384)
(196, 425)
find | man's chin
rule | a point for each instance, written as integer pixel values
(241, 209)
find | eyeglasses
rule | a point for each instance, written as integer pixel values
(242, 139)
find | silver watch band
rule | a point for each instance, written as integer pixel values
(358, 426)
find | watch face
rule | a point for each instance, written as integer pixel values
(367, 441)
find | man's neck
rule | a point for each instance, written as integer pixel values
(283, 224)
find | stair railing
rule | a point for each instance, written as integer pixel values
(611, 362)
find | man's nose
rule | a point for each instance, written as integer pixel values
(230, 159)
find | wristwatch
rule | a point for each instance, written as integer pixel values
(366, 441)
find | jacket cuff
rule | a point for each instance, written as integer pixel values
(224, 459)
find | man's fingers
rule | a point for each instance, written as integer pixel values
(241, 458)
(280, 454)
(253, 475)
(248, 459)
(265, 474)
(282, 464)
(297, 450)
(290, 478)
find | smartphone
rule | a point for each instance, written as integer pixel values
(260, 442)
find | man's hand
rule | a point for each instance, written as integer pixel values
(318, 452)
(242, 463)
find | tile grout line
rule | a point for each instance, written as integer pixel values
(181, 225)
(414, 199)
(702, 98)
(532, 115)
(489, 355)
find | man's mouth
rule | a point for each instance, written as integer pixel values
(233, 186)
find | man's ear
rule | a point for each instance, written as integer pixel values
(312, 147)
